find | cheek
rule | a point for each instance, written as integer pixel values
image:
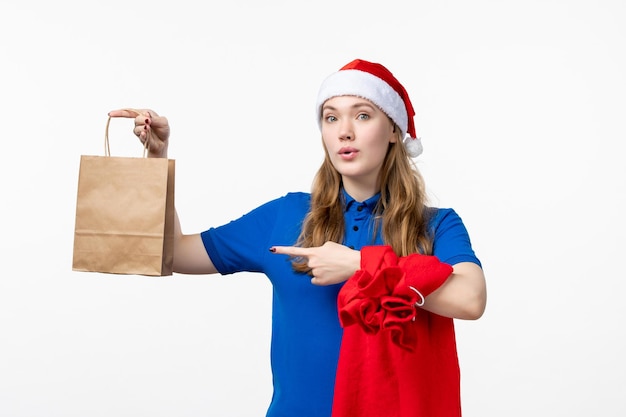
(328, 138)
(386, 138)
(383, 148)
(324, 143)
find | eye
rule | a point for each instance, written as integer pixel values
(363, 116)
(330, 119)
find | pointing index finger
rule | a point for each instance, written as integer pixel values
(290, 250)
(129, 113)
(123, 113)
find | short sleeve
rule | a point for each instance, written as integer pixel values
(452, 243)
(243, 244)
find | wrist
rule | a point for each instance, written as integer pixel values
(160, 155)
(355, 263)
(161, 152)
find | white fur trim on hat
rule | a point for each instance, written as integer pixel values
(354, 82)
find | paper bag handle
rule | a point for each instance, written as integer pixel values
(107, 148)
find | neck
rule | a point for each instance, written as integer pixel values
(358, 190)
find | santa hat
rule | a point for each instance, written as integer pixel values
(376, 83)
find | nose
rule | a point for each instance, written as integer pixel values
(346, 132)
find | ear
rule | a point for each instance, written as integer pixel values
(394, 136)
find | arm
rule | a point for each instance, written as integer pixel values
(190, 256)
(463, 295)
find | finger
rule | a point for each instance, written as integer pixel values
(315, 281)
(142, 127)
(155, 121)
(131, 114)
(291, 250)
(141, 132)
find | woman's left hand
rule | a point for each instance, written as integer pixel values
(330, 263)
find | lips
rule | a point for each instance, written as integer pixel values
(348, 152)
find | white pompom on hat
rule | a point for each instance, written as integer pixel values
(376, 83)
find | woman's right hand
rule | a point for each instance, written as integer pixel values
(148, 126)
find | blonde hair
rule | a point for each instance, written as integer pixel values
(401, 209)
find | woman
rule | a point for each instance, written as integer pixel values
(367, 278)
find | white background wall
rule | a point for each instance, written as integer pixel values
(521, 108)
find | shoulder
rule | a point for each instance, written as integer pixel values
(442, 217)
(289, 200)
(292, 201)
(298, 197)
(288, 206)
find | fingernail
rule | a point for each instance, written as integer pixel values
(272, 249)
(147, 121)
(145, 128)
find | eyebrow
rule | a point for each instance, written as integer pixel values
(354, 106)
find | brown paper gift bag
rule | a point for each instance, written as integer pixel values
(124, 214)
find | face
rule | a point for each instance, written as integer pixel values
(356, 134)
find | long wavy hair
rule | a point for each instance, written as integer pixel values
(401, 214)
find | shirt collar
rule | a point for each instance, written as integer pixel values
(351, 204)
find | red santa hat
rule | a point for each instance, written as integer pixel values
(376, 83)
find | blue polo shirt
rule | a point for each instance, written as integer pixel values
(306, 335)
